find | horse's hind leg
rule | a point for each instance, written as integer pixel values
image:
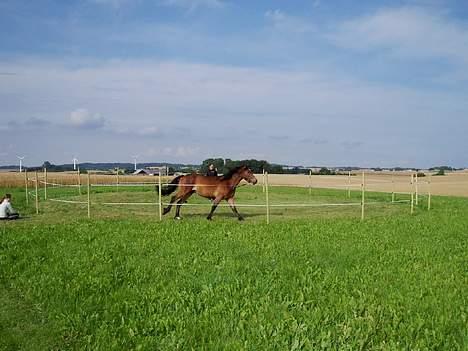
(168, 208)
(180, 202)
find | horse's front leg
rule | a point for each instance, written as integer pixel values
(216, 202)
(234, 209)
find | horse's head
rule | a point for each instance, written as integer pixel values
(247, 174)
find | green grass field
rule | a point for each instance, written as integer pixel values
(315, 278)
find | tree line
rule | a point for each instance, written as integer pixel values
(257, 166)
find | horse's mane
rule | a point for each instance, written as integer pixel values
(231, 172)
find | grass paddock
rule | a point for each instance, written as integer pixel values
(315, 278)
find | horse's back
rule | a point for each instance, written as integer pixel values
(206, 186)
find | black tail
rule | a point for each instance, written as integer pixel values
(171, 187)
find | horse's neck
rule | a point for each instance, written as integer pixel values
(235, 180)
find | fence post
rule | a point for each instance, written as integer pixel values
(363, 191)
(429, 192)
(310, 182)
(89, 196)
(160, 195)
(412, 194)
(118, 179)
(263, 180)
(37, 193)
(267, 199)
(45, 183)
(26, 185)
(416, 188)
(349, 184)
(393, 186)
(79, 179)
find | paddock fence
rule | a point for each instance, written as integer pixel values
(39, 185)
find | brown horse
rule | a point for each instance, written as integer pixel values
(211, 187)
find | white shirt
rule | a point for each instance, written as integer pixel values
(6, 209)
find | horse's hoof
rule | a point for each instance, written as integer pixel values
(208, 218)
(241, 218)
(178, 218)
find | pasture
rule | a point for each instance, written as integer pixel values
(314, 278)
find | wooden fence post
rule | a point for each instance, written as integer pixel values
(412, 194)
(118, 181)
(79, 179)
(349, 184)
(310, 182)
(363, 191)
(89, 196)
(45, 183)
(393, 186)
(429, 193)
(26, 185)
(416, 188)
(263, 180)
(160, 195)
(37, 193)
(267, 199)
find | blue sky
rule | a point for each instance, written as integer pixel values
(366, 83)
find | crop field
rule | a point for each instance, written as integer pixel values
(453, 183)
(16, 179)
(314, 278)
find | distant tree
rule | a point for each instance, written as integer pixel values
(55, 168)
(223, 166)
(443, 168)
(325, 171)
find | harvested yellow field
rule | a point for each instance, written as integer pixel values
(454, 184)
(16, 179)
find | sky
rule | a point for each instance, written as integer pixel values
(307, 82)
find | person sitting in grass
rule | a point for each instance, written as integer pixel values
(6, 210)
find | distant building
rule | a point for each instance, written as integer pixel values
(151, 172)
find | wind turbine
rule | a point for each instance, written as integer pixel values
(75, 160)
(20, 158)
(135, 161)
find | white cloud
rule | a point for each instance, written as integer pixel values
(137, 131)
(220, 104)
(149, 131)
(114, 3)
(194, 4)
(409, 32)
(180, 152)
(285, 22)
(81, 118)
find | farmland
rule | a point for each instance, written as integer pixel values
(318, 278)
(453, 183)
